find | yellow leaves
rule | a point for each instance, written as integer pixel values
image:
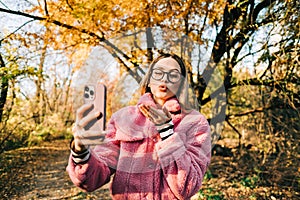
(79, 56)
(216, 11)
(12, 70)
(108, 18)
(114, 16)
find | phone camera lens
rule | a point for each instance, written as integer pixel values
(86, 95)
(91, 92)
(86, 88)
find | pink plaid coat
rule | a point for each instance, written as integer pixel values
(143, 165)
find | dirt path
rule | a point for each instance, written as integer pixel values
(40, 173)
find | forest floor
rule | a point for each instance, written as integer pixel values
(39, 172)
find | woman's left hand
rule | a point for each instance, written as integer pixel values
(157, 116)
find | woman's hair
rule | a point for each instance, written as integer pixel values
(182, 93)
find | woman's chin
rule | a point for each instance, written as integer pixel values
(163, 96)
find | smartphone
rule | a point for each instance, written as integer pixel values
(96, 95)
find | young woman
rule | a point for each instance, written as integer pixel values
(158, 149)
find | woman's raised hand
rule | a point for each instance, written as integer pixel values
(157, 116)
(82, 137)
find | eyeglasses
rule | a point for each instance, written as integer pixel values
(173, 76)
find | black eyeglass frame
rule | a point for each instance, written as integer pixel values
(168, 75)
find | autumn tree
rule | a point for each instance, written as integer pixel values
(242, 56)
(235, 24)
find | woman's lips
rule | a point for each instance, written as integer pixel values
(163, 88)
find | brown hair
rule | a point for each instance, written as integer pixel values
(182, 93)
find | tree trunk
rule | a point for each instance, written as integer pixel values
(3, 88)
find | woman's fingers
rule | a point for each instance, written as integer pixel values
(156, 112)
(164, 114)
(91, 137)
(144, 110)
(85, 120)
(92, 134)
(157, 116)
(82, 110)
(148, 112)
(82, 137)
(167, 112)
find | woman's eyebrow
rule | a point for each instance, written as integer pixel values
(161, 67)
(158, 67)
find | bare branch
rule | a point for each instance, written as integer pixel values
(46, 8)
(69, 5)
(253, 81)
(4, 5)
(15, 31)
(100, 38)
(248, 112)
(11, 132)
(235, 130)
(262, 5)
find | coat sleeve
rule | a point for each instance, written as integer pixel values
(185, 156)
(100, 166)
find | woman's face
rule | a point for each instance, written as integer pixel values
(165, 79)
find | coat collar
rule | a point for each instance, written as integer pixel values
(172, 104)
(132, 125)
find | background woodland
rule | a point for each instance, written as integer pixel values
(243, 68)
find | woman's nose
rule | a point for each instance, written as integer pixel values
(165, 78)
